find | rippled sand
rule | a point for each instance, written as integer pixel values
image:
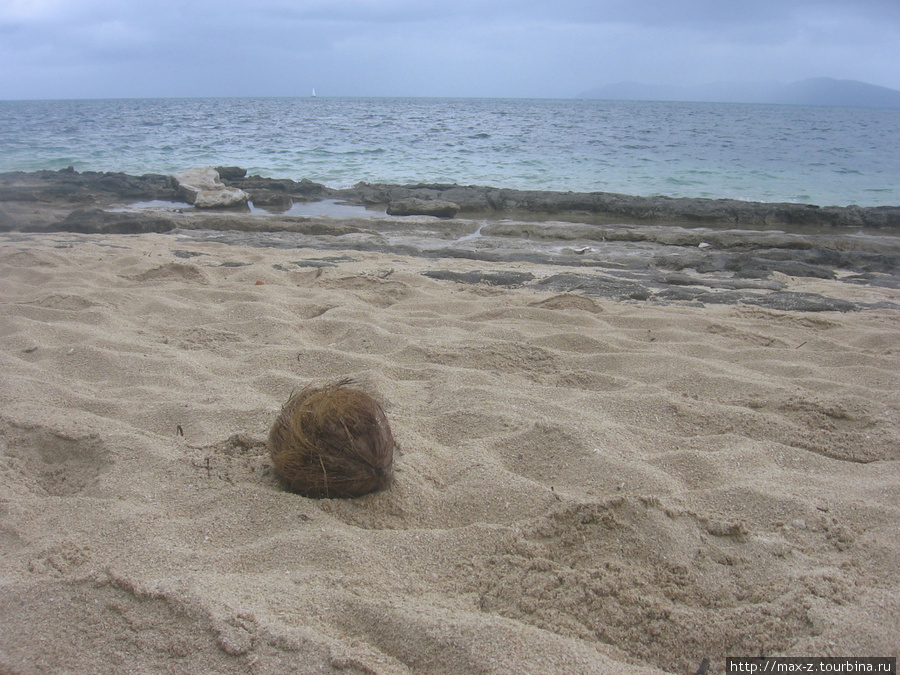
(583, 485)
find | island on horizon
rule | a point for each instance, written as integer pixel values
(824, 91)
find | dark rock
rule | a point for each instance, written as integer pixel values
(612, 207)
(229, 172)
(464, 254)
(250, 182)
(277, 191)
(594, 207)
(97, 221)
(598, 287)
(728, 284)
(509, 279)
(754, 267)
(273, 201)
(681, 294)
(801, 302)
(327, 261)
(125, 187)
(308, 187)
(279, 185)
(422, 207)
(871, 279)
(83, 188)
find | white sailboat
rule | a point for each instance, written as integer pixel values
(314, 92)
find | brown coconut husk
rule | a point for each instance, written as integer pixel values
(332, 441)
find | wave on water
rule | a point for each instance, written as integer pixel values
(827, 156)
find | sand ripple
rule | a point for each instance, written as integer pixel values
(583, 485)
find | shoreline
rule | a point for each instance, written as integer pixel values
(658, 259)
(103, 188)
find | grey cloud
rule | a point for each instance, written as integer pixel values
(419, 47)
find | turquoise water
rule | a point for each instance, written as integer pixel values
(818, 155)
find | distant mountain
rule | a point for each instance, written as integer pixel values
(816, 91)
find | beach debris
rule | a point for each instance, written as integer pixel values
(332, 441)
(205, 464)
(474, 235)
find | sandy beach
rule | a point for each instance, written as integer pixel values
(582, 485)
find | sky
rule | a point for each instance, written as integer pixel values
(480, 48)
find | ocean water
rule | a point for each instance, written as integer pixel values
(818, 155)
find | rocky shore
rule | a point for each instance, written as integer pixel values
(609, 245)
(100, 189)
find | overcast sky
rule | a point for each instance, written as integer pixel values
(492, 48)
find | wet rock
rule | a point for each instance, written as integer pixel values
(593, 207)
(272, 201)
(597, 287)
(422, 207)
(728, 284)
(310, 188)
(97, 221)
(126, 187)
(755, 267)
(89, 187)
(508, 279)
(801, 302)
(230, 172)
(872, 279)
(465, 254)
(628, 259)
(304, 189)
(612, 207)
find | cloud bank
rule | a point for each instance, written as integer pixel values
(123, 48)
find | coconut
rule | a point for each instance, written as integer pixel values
(332, 441)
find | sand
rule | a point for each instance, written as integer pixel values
(582, 485)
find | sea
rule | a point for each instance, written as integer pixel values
(769, 153)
